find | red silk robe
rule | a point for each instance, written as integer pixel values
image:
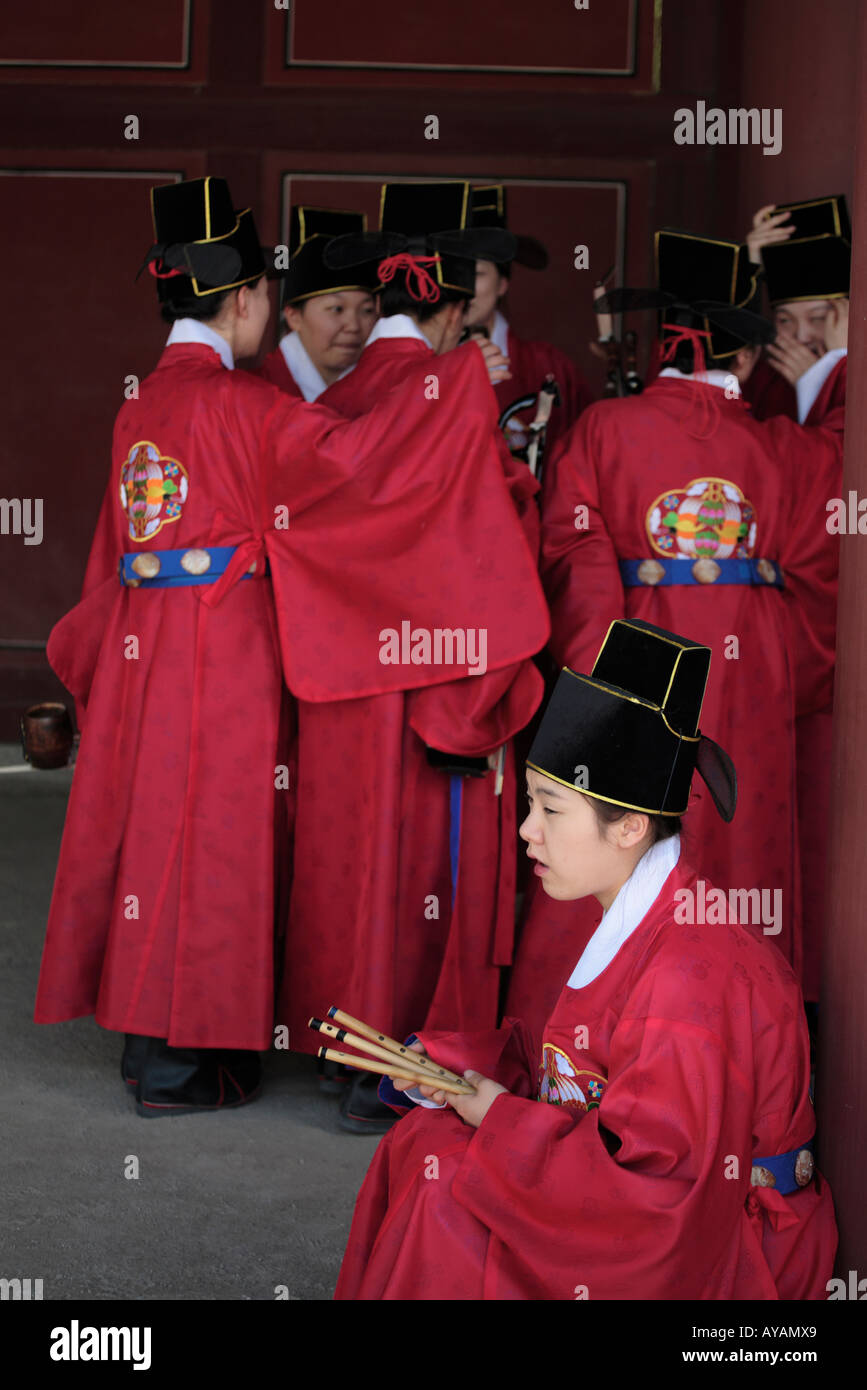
(163, 916)
(666, 1078)
(628, 464)
(371, 925)
(813, 732)
(273, 368)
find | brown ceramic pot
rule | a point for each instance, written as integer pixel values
(46, 733)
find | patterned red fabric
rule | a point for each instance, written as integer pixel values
(767, 392)
(684, 1060)
(812, 731)
(371, 924)
(273, 368)
(622, 457)
(163, 915)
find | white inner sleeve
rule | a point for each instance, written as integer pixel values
(810, 384)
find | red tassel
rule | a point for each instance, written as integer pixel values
(428, 289)
(707, 401)
(163, 274)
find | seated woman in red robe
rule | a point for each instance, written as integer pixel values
(663, 1147)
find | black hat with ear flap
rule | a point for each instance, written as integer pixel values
(630, 730)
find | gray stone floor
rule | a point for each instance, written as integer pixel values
(226, 1206)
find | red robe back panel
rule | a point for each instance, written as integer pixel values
(372, 927)
(665, 1078)
(619, 490)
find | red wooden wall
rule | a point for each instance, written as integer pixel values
(572, 109)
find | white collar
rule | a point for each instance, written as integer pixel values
(500, 333)
(630, 907)
(194, 331)
(727, 381)
(397, 326)
(302, 368)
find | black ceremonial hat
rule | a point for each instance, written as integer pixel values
(201, 244)
(489, 210)
(814, 262)
(628, 733)
(310, 230)
(428, 220)
(697, 269)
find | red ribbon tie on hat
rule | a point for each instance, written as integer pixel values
(416, 275)
(163, 274)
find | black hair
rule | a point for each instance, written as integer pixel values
(206, 306)
(663, 827)
(684, 359)
(396, 299)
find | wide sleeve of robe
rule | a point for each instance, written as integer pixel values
(648, 1196)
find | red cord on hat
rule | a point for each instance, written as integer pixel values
(428, 289)
(163, 274)
(708, 403)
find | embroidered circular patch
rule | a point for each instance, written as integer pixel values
(153, 490)
(561, 1083)
(708, 519)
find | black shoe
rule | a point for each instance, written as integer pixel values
(184, 1080)
(361, 1110)
(334, 1077)
(134, 1050)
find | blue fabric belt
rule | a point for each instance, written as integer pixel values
(660, 573)
(172, 573)
(456, 804)
(782, 1167)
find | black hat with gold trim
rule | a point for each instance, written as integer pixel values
(307, 275)
(705, 286)
(814, 262)
(628, 733)
(424, 230)
(489, 210)
(202, 245)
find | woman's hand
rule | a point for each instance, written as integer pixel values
(496, 363)
(767, 230)
(472, 1109)
(789, 357)
(408, 1085)
(837, 325)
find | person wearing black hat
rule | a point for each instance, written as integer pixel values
(805, 250)
(676, 507)
(424, 258)
(430, 882)
(327, 316)
(206, 589)
(530, 361)
(659, 1144)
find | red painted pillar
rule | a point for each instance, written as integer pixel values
(842, 1079)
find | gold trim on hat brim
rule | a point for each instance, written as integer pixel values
(334, 289)
(805, 298)
(611, 800)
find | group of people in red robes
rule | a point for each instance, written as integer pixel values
(298, 778)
